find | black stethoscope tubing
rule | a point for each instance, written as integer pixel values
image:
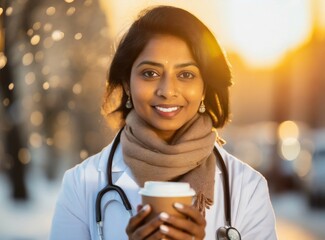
(110, 186)
(225, 186)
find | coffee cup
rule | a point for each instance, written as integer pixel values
(161, 196)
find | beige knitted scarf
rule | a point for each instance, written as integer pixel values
(187, 158)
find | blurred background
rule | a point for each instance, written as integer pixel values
(54, 57)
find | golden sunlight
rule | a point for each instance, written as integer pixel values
(261, 32)
(319, 16)
(122, 13)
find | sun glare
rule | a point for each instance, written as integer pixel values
(263, 31)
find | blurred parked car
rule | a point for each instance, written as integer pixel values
(315, 180)
(282, 152)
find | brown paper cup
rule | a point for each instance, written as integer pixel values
(162, 195)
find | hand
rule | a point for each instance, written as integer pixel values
(137, 229)
(189, 228)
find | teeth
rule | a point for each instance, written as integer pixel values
(171, 109)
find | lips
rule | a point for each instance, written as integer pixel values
(167, 110)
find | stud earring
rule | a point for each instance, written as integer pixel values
(202, 107)
(128, 103)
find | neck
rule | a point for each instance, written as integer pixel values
(167, 136)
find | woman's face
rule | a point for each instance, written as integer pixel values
(166, 85)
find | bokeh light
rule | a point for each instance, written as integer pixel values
(11, 86)
(9, 11)
(36, 118)
(30, 78)
(77, 88)
(288, 129)
(78, 36)
(50, 11)
(290, 148)
(24, 155)
(27, 59)
(35, 140)
(57, 35)
(35, 39)
(303, 163)
(71, 11)
(3, 60)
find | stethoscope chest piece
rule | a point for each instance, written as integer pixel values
(227, 233)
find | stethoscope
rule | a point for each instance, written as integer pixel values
(223, 233)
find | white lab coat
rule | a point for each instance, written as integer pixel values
(74, 217)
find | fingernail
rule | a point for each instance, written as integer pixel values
(164, 228)
(178, 205)
(145, 208)
(163, 216)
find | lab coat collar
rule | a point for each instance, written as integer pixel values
(118, 162)
(125, 180)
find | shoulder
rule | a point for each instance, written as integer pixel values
(80, 184)
(78, 191)
(87, 171)
(238, 170)
(250, 199)
(247, 184)
(92, 163)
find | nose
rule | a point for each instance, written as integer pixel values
(167, 87)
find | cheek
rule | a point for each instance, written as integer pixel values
(195, 94)
(140, 92)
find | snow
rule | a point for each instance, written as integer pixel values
(30, 220)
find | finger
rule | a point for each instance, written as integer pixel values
(174, 233)
(183, 225)
(137, 219)
(191, 212)
(139, 207)
(157, 235)
(149, 230)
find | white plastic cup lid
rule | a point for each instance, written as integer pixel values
(167, 189)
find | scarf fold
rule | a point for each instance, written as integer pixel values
(187, 158)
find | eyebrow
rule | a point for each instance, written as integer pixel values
(181, 65)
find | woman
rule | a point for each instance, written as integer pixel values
(174, 80)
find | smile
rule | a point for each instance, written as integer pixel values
(167, 109)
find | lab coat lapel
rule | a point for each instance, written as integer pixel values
(122, 176)
(131, 188)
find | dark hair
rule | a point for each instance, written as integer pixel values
(204, 47)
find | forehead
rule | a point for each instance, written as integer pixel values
(166, 47)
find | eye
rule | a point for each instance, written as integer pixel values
(186, 75)
(150, 74)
